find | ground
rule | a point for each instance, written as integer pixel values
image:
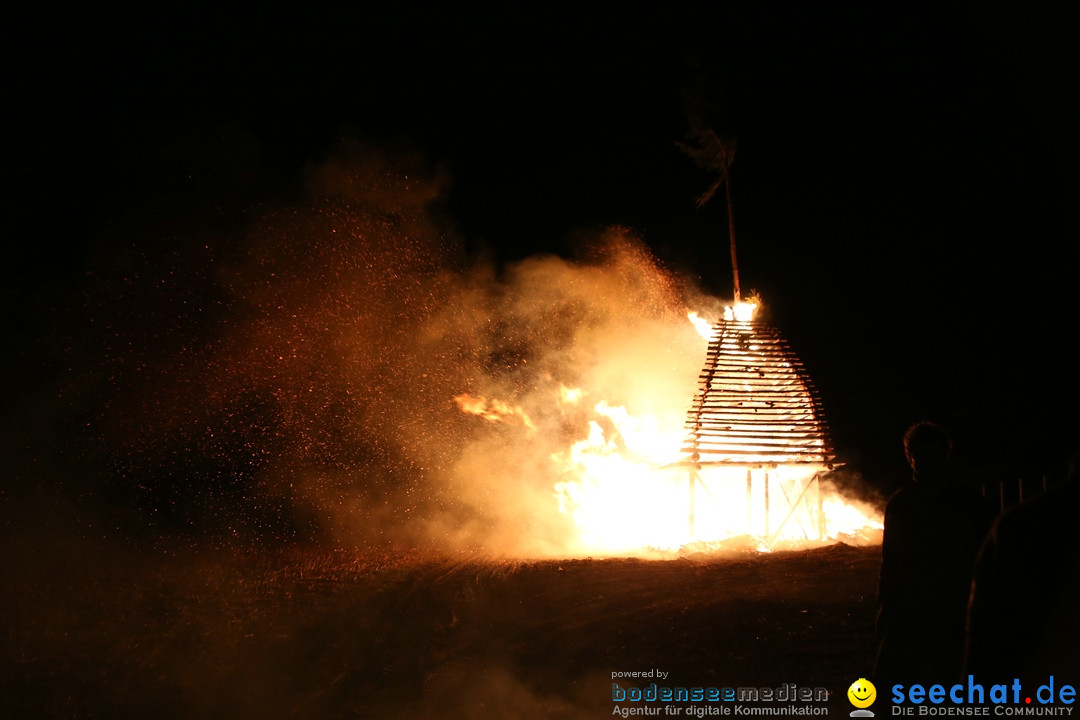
(307, 635)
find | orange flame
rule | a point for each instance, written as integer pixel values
(629, 490)
(700, 324)
(743, 312)
(494, 410)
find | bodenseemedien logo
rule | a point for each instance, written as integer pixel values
(689, 700)
(862, 694)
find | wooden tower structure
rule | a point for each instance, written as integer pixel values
(757, 409)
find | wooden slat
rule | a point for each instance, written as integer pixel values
(736, 434)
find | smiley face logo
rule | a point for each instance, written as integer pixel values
(862, 693)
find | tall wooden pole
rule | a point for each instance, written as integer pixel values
(731, 227)
(711, 152)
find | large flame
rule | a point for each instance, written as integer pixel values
(629, 490)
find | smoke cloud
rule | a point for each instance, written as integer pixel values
(339, 372)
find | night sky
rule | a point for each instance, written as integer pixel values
(904, 187)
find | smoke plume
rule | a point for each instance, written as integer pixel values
(337, 371)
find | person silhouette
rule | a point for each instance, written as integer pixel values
(1022, 615)
(934, 528)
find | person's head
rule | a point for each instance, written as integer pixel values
(928, 448)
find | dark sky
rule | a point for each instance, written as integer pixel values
(905, 184)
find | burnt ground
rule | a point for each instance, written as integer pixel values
(333, 636)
